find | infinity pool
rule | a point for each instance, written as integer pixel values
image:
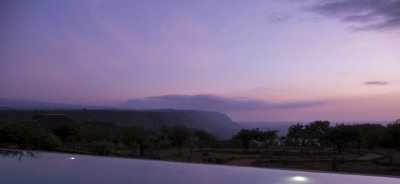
(56, 168)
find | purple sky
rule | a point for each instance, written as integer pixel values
(272, 60)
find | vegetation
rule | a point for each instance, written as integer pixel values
(315, 145)
(264, 138)
(27, 135)
(216, 123)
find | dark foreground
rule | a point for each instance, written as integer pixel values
(364, 148)
(43, 167)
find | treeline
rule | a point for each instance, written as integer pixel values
(321, 134)
(100, 138)
(216, 123)
(103, 138)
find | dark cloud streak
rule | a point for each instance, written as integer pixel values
(210, 102)
(380, 83)
(370, 14)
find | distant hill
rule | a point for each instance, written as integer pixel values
(281, 126)
(213, 122)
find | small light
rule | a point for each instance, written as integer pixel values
(299, 178)
(72, 158)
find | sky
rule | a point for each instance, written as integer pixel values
(255, 60)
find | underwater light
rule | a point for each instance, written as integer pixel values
(298, 178)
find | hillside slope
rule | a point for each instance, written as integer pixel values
(213, 122)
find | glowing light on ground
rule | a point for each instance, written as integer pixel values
(72, 158)
(299, 178)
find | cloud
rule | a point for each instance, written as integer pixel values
(277, 18)
(369, 14)
(380, 83)
(210, 102)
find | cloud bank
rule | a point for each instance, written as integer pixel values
(211, 103)
(370, 14)
(380, 83)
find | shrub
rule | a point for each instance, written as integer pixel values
(101, 148)
(219, 161)
(46, 141)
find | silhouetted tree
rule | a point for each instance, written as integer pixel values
(341, 135)
(268, 138)
(203, 138)
(177, 134)
(99, 131)
(66, 131)
(370, 135)
(101, 147)
(245, 136)
(391, 138)
(136, 135)
(295, 135)
(314, 132)
(27, 135)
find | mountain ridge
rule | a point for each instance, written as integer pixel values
(213, 122)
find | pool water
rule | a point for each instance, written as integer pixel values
(59, 168)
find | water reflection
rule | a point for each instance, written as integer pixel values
(298, 179)
(19, 154)
(65, 168)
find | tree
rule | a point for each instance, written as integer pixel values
(101, 148)
(136, 135)
(268, 137)
(2, 137)
(27, 135)
(370, 135)
(282, 140)
(314, 132)
(177, 134)
(245, 136)
(13, 133)
(295, 135)
(66, 131)
(202, 138)
(341, 135)
(391, 137)
(99, 131)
